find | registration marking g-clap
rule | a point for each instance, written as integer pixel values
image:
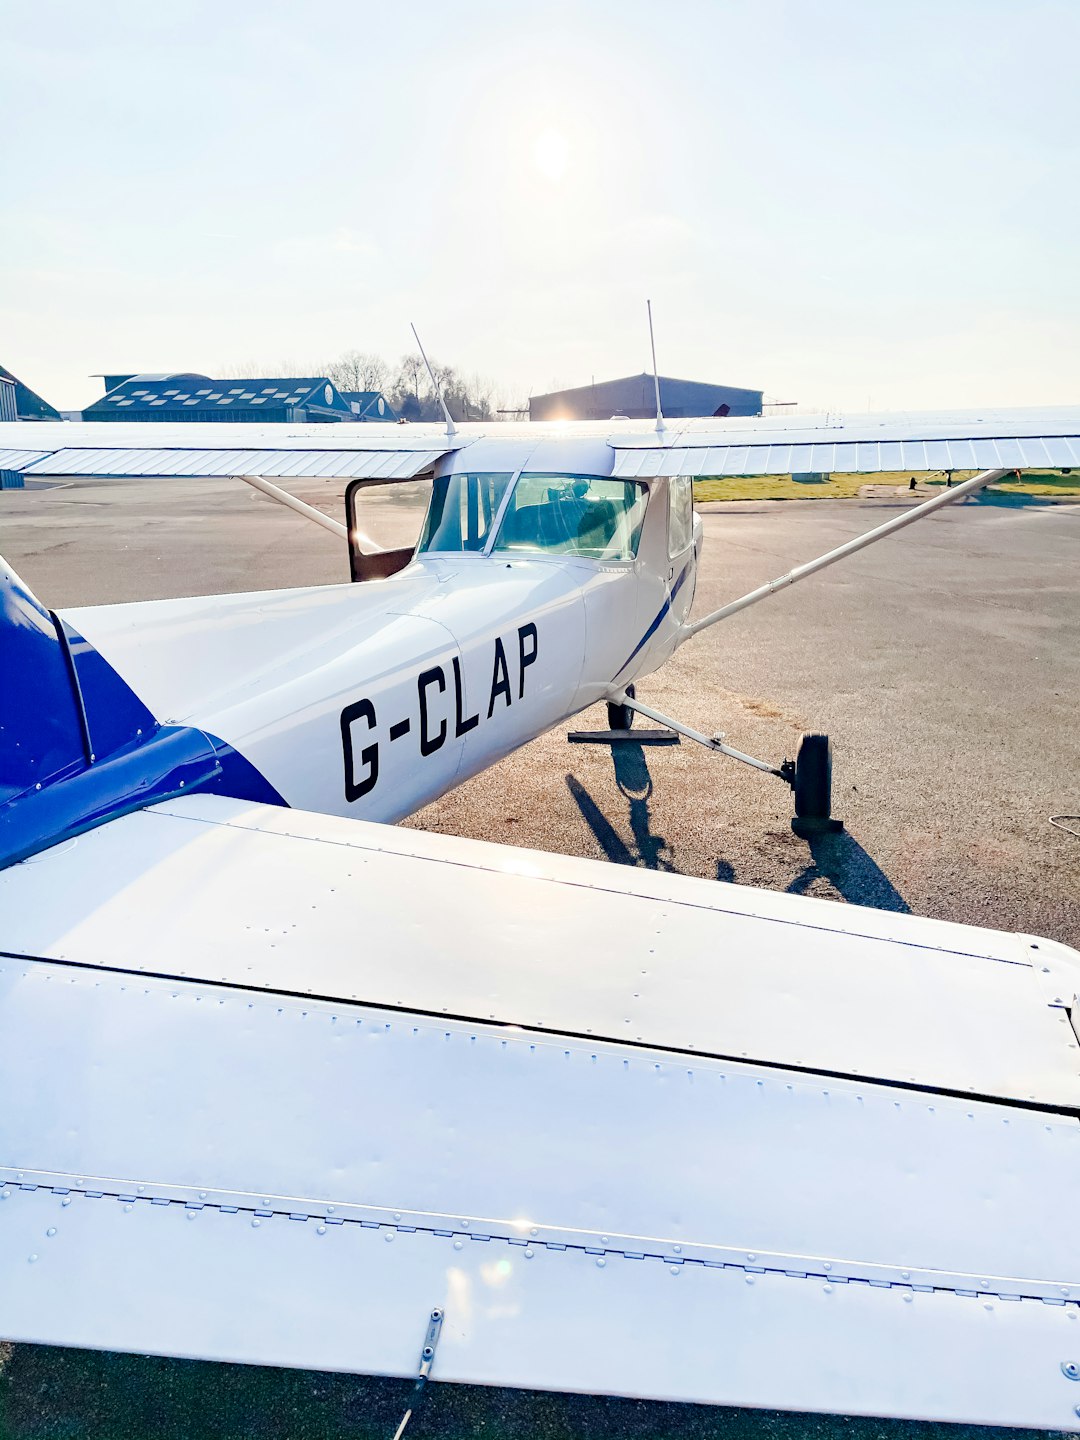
(510, 660)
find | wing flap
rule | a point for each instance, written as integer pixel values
(186, 1091)
(164, 1280)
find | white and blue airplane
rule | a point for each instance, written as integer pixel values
(287, 1085)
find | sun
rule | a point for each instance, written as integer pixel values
(550, 154)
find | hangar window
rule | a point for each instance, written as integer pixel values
(462, 510)
(574, 515)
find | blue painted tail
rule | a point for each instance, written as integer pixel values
(77, 745)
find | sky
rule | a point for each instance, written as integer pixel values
(850, 204)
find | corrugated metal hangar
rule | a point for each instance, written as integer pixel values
(634, 396)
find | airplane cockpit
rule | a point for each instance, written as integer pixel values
(582, 515)
(538, 513)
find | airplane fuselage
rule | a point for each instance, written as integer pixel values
(372, 700)
(538, 587)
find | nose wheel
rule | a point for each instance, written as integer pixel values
(620, 717)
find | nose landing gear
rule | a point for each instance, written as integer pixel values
(620, 717)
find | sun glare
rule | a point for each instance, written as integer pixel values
(549, 154)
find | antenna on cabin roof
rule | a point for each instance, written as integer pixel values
(655, 372)
(451, 428)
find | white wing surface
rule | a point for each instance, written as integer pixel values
(1035, 438)
(285, 1083)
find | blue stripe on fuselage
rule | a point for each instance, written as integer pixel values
(651, 631)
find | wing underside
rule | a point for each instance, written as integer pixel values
(286, 1083)
(1032, 439)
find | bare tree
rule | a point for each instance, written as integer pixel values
(262, 369)
(408, 388)
(406, 391)
(357, 370)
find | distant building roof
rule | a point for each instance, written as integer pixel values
(368, 405)
(28, 404)
(197, 397)
(635, 397)
(112, 381)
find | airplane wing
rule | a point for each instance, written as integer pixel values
(278, 1085)
(1036, 438)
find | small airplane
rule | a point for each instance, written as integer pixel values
(295, 1087)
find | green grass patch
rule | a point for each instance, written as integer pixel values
(846, 487)
(778, 487)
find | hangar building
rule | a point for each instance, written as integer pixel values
(368, 405)
(28, 404)
(187, 396)
(635, 397)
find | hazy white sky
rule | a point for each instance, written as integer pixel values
(844, 202)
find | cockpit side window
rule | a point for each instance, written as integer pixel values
(461, 511)
(680, 514)
(585, 515)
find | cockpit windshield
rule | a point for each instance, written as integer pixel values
(461, 511)
(574, 515)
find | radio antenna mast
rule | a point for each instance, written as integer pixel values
(451, 428)
(655, 372)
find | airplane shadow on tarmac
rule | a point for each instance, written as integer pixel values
(837, 858)
(851, 872)
(634, 781)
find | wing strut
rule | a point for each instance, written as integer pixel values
(284, 498)
(309, 512)
(967, 487)
(710, 742)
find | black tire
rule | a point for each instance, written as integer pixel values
(620, 717)
(813, 778)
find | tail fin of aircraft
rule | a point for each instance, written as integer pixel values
(61, 706)
(77, 745)
(41, 737)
